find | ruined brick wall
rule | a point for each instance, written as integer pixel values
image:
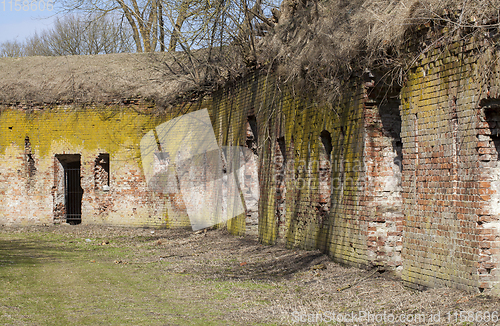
(402, 177)
(450, 168)
(347, 180)
(329, 178)
(326, 178)
(383, 170)
(34, 145)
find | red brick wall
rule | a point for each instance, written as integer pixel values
(403, 177)
(447, 164)
(345, 200)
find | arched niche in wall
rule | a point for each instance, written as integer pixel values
(280, 167)
(250, 188)
(325, 176)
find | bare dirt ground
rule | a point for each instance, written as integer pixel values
(250, 283)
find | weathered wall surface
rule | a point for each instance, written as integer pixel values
(402, 177)
(450, 169)
(329, 177)
(412, 174)
(30, 177)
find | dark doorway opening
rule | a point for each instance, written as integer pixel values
(73, 191)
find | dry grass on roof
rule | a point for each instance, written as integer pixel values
(157, 77)
(76, 79)
(319, 44)
(316, 46)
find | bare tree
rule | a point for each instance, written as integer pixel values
(106, 35)
(142, 17)
(11, 49)
(75, 35)
(186, 23)
(67, 36)
(37, 45)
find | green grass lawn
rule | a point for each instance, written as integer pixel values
(97, 275)
(55, 279)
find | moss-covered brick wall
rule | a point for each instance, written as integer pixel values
(401, 177)
(329, 177)
(451, 168)
(32, 141)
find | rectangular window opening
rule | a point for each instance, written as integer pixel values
(101, 172)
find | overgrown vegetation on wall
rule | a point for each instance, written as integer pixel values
(315, 46)
(318, 45)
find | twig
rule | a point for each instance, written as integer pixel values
(359, 281)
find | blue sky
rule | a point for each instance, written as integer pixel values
(21, 24)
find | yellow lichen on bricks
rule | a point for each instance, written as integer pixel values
(87, 133)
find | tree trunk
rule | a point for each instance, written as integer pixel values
(162, 31)
(129, 15)
(174, 38)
